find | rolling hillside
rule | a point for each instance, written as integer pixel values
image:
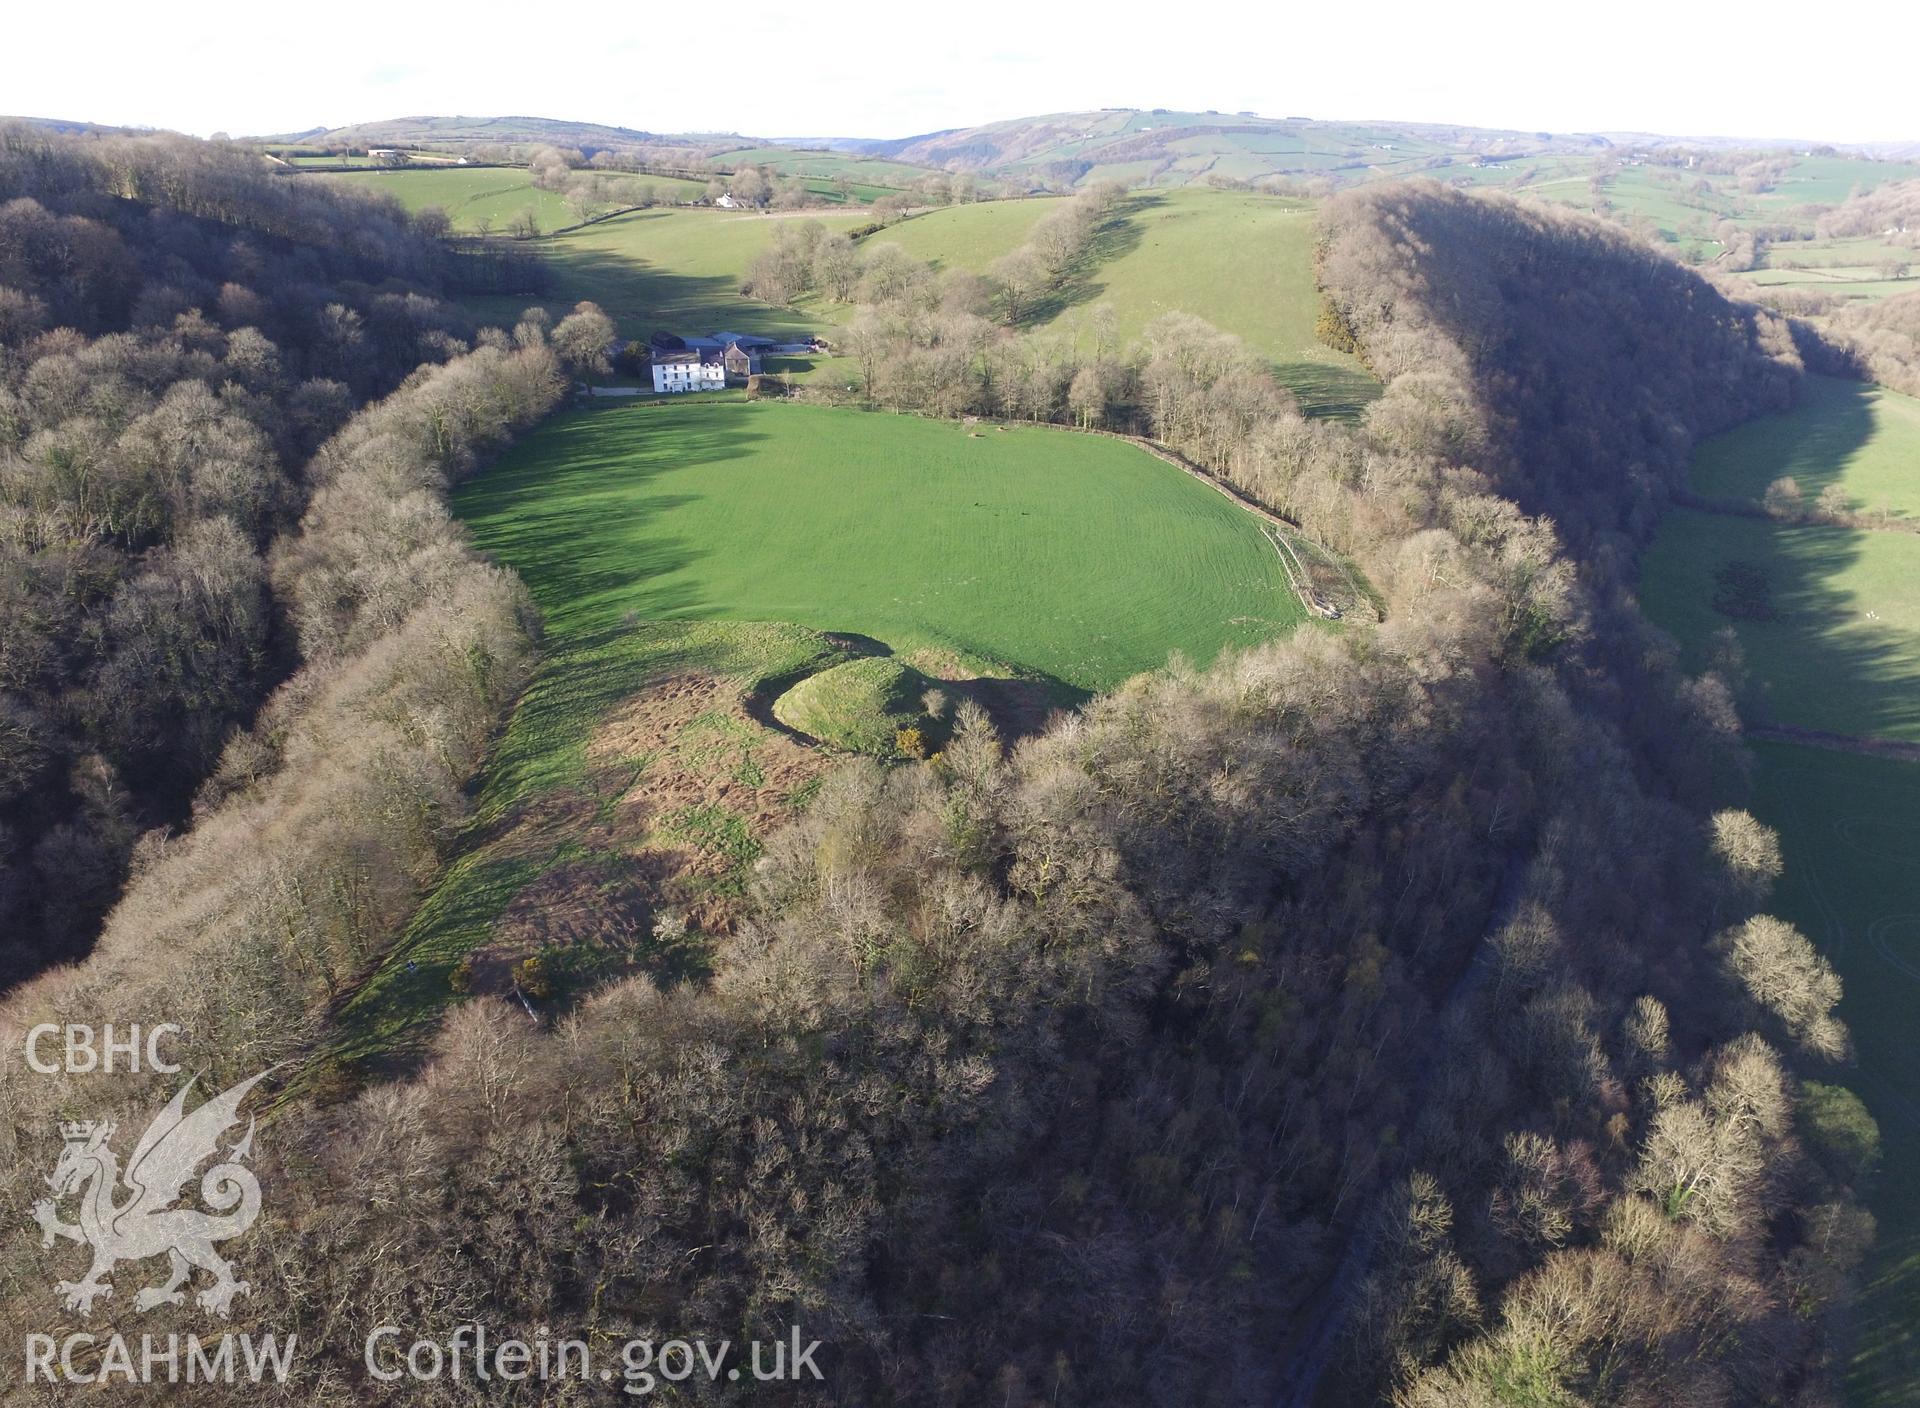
(458, 131)
(1163, 147)
(476, 198)
(674, 269)
(1241, 261)
(828, 165)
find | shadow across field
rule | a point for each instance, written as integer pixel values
(637, 293)
(590, 571)
(1330, 390)
(1827, 659)
(1812, 444)
(1117, 235)
(1848, 827)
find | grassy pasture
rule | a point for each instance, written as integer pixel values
(1842, 652)
(673, 269)
(1078, 558)
(1842, 281)
(857, 193)
(471, 197)
(971, 236)
(1848, 822)
(799, 161)
(1862, 437)
(1848, 826)
(1863, 252)
(1243, 262)
(1828, 180)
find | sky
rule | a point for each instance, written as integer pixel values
(856, 68)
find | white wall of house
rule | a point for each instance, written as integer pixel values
(689, 376)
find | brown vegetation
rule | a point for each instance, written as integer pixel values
(179, 332)
(1404, 971)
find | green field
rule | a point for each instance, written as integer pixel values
(1078, 558)
(1243, 262)
(1858, 252)
(800, 161)
(968, 237)
(1828, 180)
(857, 192)
(486, 197)
(1848, 829)
(1843, 652)
(480, 197)
(1855, 282)
(1862, 437)
(1848, 822)
(673, 269)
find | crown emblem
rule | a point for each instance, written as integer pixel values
(84, 1131)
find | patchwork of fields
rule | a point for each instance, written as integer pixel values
(827, 166)
(1167, 251)
(1840, 654)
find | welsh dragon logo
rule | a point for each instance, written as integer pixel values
(144, 1223)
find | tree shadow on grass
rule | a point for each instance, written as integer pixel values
(1811, 444)
(570, 510)
(1821, 661)
(1117, 235)
(1824, 658)
(639, 295)
(1331, 389)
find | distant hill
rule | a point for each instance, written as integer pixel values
(62, 124)
(1164, 147)
(1140, 146)
(506, 131)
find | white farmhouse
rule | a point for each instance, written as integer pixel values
(689, 370)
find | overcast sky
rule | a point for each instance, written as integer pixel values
(853, 68)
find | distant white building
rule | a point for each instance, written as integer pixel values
(689, 370)
(726, 202)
